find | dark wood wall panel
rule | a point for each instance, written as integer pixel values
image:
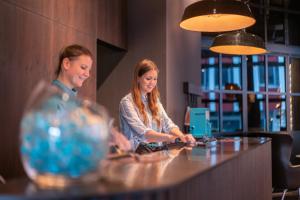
(78, 14)
(20, 72)
(146, 39)
(112, 27)
(32, 33)
(40, 7)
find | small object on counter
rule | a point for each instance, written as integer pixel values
(207, 141)
(144, 148)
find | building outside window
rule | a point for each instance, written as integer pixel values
(257, 92)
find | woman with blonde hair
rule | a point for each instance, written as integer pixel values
(142, 116)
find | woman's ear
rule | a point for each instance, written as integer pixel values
(66, 63)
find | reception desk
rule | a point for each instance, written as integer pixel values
(235, 169)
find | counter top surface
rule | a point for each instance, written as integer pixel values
(155, 171)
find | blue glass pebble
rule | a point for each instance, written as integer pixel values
(70, 148)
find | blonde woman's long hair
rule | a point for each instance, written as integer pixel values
(141, 68)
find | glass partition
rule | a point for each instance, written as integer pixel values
(209, 70)
(231, 72)
(256, 112)
(277, 113)
(210, 100)
(256, 76)
(276, 73)
(232, 112)
(264, 89)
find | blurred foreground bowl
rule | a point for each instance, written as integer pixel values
(63, 139)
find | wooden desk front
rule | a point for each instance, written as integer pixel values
(237, 170)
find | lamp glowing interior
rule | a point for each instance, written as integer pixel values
(239, 43)
(238, 50)
(217, 22)
(217, 16)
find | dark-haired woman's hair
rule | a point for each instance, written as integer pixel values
(71, 52)
(141, 68)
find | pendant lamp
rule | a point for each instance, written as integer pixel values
(217, 16)
(238, 43)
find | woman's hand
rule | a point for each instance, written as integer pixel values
(183, 137)
(189, 138)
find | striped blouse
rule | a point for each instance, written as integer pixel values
(131, 121)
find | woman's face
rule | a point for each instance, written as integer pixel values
(77, 70)
(148, 81)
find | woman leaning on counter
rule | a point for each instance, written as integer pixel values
(74, 66)
(142, 116)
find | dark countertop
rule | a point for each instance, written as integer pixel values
(155, 171)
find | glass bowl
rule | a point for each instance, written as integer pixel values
(63, 138)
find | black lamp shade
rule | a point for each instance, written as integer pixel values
(238, 43)
(217, 16)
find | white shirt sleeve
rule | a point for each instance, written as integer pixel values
(129, 114)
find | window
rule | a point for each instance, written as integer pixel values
(256, 111)
(256, 73)
(210, 70)
(231, 71)
(232, 112)
(277, 113)
(257, 92)
(211, 100)
(265, 94)
(276, 73)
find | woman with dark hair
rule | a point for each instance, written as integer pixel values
(142, 116)
(74, 65)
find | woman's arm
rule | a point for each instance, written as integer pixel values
(130, 115)
(183, 137)
(177, 133)
(153, 136)
(169, 127)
